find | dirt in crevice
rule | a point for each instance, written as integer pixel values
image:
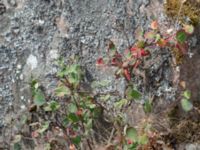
(189, 10)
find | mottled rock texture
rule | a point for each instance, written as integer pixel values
(35, 33)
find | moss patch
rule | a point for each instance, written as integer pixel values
(190, 9)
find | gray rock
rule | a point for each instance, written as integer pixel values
(34, 33)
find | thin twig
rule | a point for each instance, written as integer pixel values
(111, 135)
(179, 12)
(82, 124)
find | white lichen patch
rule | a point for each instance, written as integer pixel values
(19, 66)
(32, 61)
(53, 54)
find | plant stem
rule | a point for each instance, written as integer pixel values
(82, 123)
(179, 12)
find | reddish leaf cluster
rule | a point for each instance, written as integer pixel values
(99, 61)
(137, 52)
(132, 57)
(125, 63)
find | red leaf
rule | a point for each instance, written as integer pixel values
(114, 61)
(99, 61)
(137, 63)
(182, 47)
(125, 64)
(144, 52)
(137, 53)
(71, 132)
(127, 51)
(72, 147)
(35, 134)
(162, 42)
(117, 55)
(129, 142)
(154, 25)
(127, 74)
(79, 112)
(133, 49)
(117, 59)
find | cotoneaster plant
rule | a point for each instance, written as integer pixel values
(67, 116)
(132, 58)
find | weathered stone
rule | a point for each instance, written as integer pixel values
(5, 24)
(2, 8)
(35, 33)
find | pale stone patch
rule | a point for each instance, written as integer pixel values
(32, 61)
(53, 54)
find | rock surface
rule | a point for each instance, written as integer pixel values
(34, 33)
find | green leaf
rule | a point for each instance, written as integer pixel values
(34, 84)
(97, 112)
(106, 97)
(73, 78)
(75, 69)
(133, 146)
(47, 146)
(92, 106)
(147, 106)
(17, 138)
(76, 140)
(140, 44)
(52, 106)
(143, 139)
(136, 94)
(62, 91)
(72, 108)
(44, 127)
(125, 147)
(113, 48)
(23, 119)
(158, 37)
(133, 94)
(150, 35)
(102, 83)
(128, 55)
(39, 98)
(62, 73)
(17, 146)
(186, 105)
(187, 94)
(65, 121)
(181, 36)
(73, 117)
(89, 124)
(120, 103)
(131, 133)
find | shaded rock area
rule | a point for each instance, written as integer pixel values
(35, 33)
